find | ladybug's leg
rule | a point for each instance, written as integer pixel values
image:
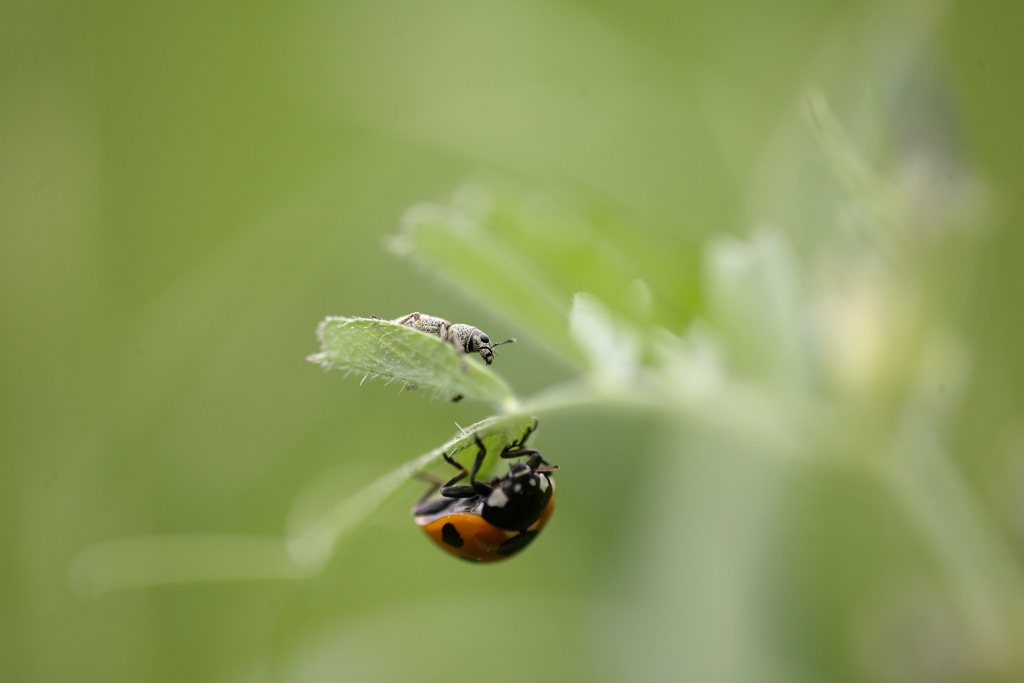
(537, 460)
(479, 457)
(435, 484)
(458, 491)
(520, 453)
(480, 487)
(475, 487)
(458, 477)
(526, 435)
(430, 478)
(429, 492)
(537, 463)
(450, 491)
(446, 488)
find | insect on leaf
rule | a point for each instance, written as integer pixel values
(162, 559)
(462, 251)
(380, 348)
(312, 546)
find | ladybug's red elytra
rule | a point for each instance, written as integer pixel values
(489, 521)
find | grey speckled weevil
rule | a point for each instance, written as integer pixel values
(465, 338)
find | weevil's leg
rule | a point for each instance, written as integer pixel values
(405, 320)
(451, 334)
(460, 350)
(444, 332)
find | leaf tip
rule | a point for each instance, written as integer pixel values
(320, 359)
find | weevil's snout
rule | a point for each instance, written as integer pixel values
(481, 343)
(487, 354)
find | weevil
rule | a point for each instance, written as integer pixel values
(465, 338)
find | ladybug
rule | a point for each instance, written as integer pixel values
(489, 521)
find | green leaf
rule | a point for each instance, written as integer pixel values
(890, 219)
(450, 242)
(525, 254)
(155, 560)
(582, 241)
(312, 546)
(380, 348)
(142, 561)
(756, 300)
(612, 345)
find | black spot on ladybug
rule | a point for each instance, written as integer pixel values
(450, 535)
(516, 543)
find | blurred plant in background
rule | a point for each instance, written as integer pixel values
(787, 417)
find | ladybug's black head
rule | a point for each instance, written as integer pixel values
(517, 500)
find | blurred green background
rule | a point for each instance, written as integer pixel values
(187, 189)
